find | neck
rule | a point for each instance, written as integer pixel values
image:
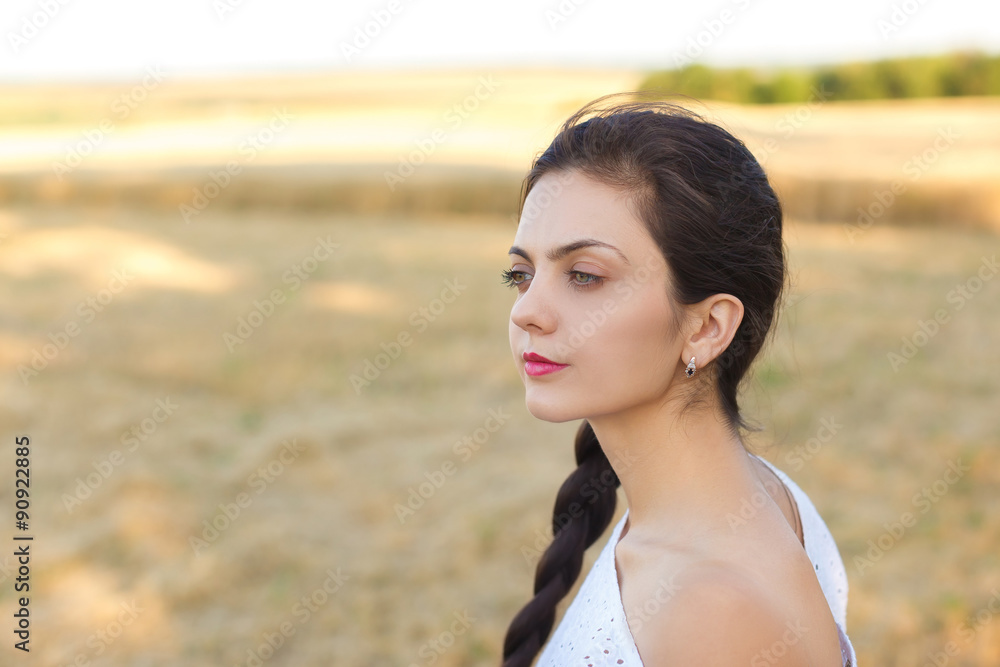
(682, 469)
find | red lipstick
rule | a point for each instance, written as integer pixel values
(536, 364)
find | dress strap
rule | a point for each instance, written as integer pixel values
(795, 508)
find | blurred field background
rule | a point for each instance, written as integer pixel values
(320, 560)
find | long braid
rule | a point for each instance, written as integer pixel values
(577, 521)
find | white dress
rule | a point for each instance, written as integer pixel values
(594, 632)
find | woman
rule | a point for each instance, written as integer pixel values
(648, 264)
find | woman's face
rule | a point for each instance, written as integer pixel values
(592, 290)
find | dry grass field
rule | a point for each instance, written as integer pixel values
(209, 481)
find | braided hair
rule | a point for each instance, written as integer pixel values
(577, 522)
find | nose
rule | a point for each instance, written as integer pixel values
(534, 311)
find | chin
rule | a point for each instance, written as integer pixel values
(543, 405)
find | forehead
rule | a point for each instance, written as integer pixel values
(565, 206)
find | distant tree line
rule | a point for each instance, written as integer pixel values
(952, 75)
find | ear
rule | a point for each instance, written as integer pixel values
(712, 325)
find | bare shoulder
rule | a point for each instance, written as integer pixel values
(720, 615)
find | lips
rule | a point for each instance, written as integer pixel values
(536, 364)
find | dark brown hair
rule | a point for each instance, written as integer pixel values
(708, 205)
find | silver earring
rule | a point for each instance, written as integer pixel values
(689, 371)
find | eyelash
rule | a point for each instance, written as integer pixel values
(592, 280)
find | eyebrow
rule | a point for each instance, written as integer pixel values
(558, 253)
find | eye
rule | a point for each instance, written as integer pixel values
(513, 278)
(582, 280)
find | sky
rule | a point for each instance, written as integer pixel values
(46, 40)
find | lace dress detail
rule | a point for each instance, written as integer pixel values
(594, 632)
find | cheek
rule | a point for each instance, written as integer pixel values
(636, 346)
